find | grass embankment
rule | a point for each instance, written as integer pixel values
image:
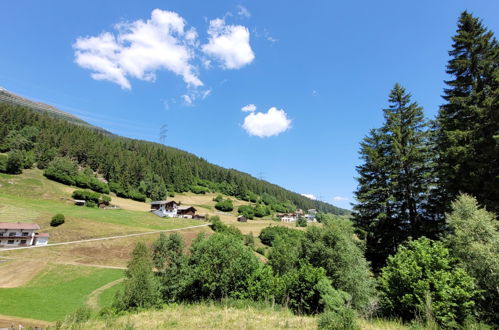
(205, 316)
(55, 292)
(30, 197)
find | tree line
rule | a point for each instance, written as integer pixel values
(79, 155)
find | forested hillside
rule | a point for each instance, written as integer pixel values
(131, 168)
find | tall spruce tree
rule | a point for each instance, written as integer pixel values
(468, 122)
(394, 180)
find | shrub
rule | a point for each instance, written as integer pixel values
(141, 287)
(334, 247)
(200, 190)
(3, 163)
(218, 226)
(422, 273)
(246, 211)
(224, 206)
(57, 220)
(14, 163)
(301, 222)
(221, 266)
(261, 211)
(341, 319)
(474, 240)
(269, 234)
(62, 170)
(305, 288)
(218, 198)
(249, 240)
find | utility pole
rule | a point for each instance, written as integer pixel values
(163, 132)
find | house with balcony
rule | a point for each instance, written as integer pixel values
(172, 209)
(17, 234)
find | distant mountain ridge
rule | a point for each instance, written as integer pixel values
(14, 99)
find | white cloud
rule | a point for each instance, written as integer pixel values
(271, 123)
(140, 49)
(188, 99)
(312, 197)
(243, 11)
(229, 44)
(315, 93)
(339, 199)
(248, 108)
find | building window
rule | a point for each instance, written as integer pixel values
(23, 241)
(25, 234)
(11, 241)
(12, 234)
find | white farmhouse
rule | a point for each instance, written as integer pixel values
(15, 234)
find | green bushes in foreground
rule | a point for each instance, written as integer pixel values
(424, 275)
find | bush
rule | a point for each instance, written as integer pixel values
(224, 206)
(246, 211)
(261, 211)
(305, 289)
(200, 190)
(62, 170)
(57, 220)
(474, 240)
(3, 163)
(421, 274)
(218, 226)
(219, 198)
(269, 234)
(334, 247)
(15, 162)
(301, 222)
(140, 287)
(342, 319)
(221, 266)
(92, 198)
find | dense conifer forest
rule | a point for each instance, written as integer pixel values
(73, 154)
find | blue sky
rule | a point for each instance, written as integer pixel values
(317, 72)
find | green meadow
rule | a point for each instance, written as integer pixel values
(56, 291)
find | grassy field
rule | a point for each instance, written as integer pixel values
(32, 198)
(55, 291)
(115, 252)
(205, 316)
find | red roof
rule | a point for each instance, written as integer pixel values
(19, 225)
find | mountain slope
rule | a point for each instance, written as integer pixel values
(11, 98)
(140, 167)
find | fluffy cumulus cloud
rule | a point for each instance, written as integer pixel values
(141, 48)
(339, 199)
(248, 108)
(312, 197)
(266, 124)
(229, 44)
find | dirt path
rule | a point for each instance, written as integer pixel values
(93, 297)
(105, 238)
(15, 273)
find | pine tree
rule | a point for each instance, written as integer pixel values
(394, 180)
(467, 123)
